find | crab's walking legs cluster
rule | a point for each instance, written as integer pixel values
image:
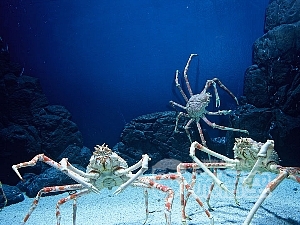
(196, 105)
(107, 170)
(252, 156)
(196, 108)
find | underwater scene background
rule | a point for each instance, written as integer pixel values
(77, 74)
(109, 62)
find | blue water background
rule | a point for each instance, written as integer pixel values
(109, 61)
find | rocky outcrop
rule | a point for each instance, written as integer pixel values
(273, 79)
(29, 125)
(272, 83)
(153, 134)
(282, 12)
(12, 195)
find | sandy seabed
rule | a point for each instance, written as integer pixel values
(282, 207)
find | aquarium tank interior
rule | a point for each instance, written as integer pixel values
(90, 88)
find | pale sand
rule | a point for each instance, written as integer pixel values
(282, 206)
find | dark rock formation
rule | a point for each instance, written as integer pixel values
(32, 183)
(153, 134)
(282, 12)
(272, 83)
(30, 126)
(13, 195)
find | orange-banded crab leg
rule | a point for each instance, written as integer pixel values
(64, 166)
(170, 193)
(213, 125)
(70, 197)
(46, 190)
(189, 188)
(284, 172)
(143, 163)
(229, 164)
(138, 183)
(149, 181)
(195, 166)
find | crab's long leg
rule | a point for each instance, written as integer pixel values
(184, 185)
(218, 113)
(238, 175)
(284, 172)
(62, 167)
(170, 193)
(146, 196)
(138, 183)
(261, 157)
(144, 167)
(226, 89)
(187, 127)
(70, 197)
(176, 104)
(40, 157)
(195, 145)
(211, 190)
(207, 85)
(270, 187)
(179, 87)
(202, 137)
(204, 167)
(177, 120)
(213, 125)
(189, 188)
(45, 190)
(185, 74)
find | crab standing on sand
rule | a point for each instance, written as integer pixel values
(196, 104)
(107, 170)
(252, 156)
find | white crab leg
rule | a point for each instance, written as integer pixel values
(206, 170)
(179, 87)
(262, 154)
(133, 177)
(270, 187)
(185, 74)
(63, 168)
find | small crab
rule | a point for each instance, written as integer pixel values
(196, 105)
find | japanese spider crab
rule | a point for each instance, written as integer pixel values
(196, 104)
(252, 156)
(107, 170)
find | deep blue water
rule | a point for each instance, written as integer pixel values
(110, 61)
